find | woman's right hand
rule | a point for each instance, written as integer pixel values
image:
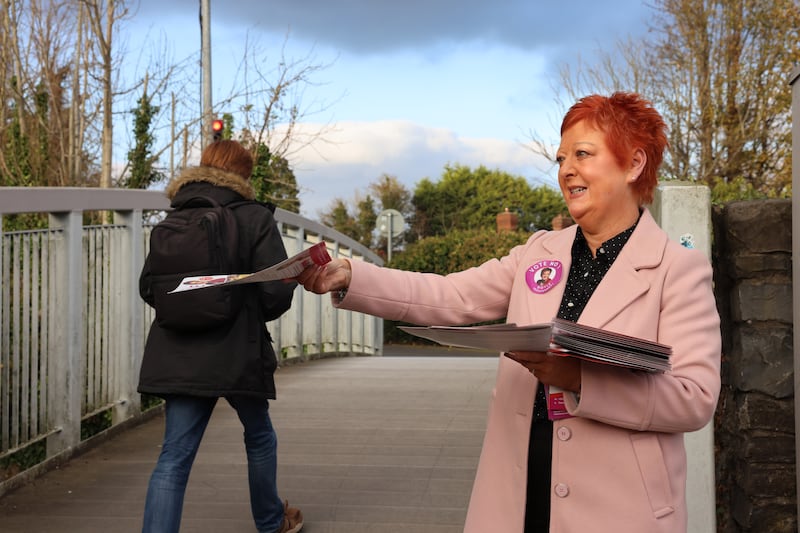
(332, 276)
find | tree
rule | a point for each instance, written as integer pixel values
(35, 49)
(267, 102)
(730, 116)
(270, 101)
(391, 194)
(357, 222)
(465, 198)
(61, 85)
(359, 219)
(717, 70)
(339, 218)
(104, 19)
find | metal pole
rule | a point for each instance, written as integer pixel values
(793, 81)
(389, 241)
(172, 138)
(205, 65)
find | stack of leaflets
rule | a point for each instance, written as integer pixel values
(601, 346)
(559, 337)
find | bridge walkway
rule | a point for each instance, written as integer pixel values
(366, 444)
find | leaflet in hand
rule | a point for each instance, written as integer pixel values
(559, 337)
(291, 267)
(499, 337)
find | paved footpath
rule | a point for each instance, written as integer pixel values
(365, 444)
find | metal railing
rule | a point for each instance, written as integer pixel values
(72, 325)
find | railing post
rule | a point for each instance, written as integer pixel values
(683, 210)
(66, 372)
(129, 322)
(298, 303)
(378, 325)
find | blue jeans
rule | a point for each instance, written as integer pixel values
(186, 421)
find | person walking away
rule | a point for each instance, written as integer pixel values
(210, 343)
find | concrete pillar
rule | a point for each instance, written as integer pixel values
(66, 360)
(683, 210)
(128, 322)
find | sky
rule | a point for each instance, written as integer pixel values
(408, 87)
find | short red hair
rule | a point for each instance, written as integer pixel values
(629, 122)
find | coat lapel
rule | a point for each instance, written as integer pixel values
(623, 284)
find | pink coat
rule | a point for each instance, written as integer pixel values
(620, 464)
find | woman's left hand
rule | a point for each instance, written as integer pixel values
(550, 369)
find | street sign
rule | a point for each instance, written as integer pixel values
(390, 220)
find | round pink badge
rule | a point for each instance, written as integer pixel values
(544, 275)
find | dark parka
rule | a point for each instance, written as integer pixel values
(236, 358)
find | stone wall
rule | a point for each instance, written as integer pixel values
(755, 442)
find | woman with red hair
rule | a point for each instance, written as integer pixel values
(617, 464)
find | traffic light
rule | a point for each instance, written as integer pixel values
(217, 125)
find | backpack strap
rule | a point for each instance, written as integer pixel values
(268, 205)
(244, 255)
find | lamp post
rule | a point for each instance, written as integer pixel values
(205, 67)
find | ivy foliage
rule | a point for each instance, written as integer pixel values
(142, 172)
(274, 180)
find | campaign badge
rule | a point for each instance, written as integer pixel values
(544, 275)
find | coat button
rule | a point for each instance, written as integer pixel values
(562, 490)
(564, 433)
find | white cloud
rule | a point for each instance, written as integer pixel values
(356, 154)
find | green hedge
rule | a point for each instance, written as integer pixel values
(454, 252)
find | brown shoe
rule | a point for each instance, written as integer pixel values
(292, 519)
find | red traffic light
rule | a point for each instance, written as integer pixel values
(217, 126)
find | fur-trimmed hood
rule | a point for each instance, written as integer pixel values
(214, 176)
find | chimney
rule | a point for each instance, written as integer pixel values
(507, 221)
(562, 221)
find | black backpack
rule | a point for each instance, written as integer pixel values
(199, 237)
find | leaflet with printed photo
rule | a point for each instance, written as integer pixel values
(289, 268)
